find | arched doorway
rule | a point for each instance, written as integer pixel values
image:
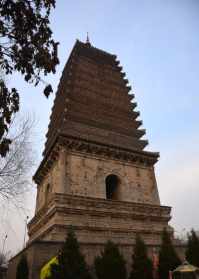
(112, 184)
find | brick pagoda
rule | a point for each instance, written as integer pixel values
(95, 174)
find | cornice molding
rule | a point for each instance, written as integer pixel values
(141, 158)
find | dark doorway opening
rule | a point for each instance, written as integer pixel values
(112, 182)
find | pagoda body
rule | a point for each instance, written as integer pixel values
(95, 174)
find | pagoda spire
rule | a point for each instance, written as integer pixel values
(87, 39)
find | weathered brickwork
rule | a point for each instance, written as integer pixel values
(115, 218)
(88, 175)
(84, 175)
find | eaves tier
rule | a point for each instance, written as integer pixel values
(94, 104)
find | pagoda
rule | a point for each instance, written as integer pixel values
(95, 174)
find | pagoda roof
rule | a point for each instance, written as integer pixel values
(93, 101)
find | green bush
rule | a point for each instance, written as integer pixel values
(168, 258)
(111, 264)
(22, 268)
(192, 251)
(142, 267)
(71, 263)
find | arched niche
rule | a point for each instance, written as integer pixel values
(112, 187)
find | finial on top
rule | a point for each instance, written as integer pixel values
(87, 40)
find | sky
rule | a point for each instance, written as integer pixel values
(157, 44)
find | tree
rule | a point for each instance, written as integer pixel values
(111, 263)
(22, 268)
(27, 47)
(141, 265)
(3, 259)
(71, 263)
(16, 165)
(192, 251)
(168, 258)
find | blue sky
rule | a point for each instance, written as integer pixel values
(157, 43)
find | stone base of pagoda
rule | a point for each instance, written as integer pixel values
(38, 253)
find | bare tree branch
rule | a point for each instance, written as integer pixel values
(15, 168)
